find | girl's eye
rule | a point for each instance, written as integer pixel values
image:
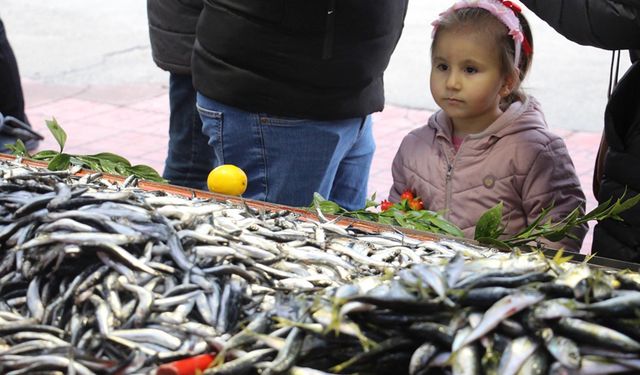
(470, 70)
(442, 67)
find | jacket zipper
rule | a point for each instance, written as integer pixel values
(330, 29)
(448, 189)
(451, 156)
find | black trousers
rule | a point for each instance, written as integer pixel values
(11, 96)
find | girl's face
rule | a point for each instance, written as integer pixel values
(466, 79)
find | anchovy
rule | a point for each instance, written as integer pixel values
(288, 354)
(619, 306)
(49, 361)
(36, 307)
(501, 310)
(596, 333)
(66, 224)
(365, 260)
(421, 357)
(145, 300)
(175, 300)
(179, 257)
(517, 353)
(83, 238)
(149, 335)
(240, 364)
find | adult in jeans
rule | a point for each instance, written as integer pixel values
(172, 26)
(14, 124)
(612, 25)
(286, 89)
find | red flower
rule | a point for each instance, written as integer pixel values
(407, 194)
(385, 205)
(416, 204)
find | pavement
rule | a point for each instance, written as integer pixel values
(132, 120)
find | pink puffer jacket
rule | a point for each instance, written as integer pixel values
(516, 160)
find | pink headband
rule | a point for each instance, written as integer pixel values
(503, 10)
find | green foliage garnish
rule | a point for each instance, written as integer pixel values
(398, 214)
(17, 148)
(58, 133)
(490, 223)
(543, 227)
(490, 226)
(102, 162)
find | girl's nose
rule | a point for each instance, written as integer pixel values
(453, 81)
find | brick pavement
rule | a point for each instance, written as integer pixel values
(132, 121)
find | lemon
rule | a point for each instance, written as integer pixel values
(227, 179)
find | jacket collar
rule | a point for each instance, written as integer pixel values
(518, 117)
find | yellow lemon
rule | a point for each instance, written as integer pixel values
(227, 179)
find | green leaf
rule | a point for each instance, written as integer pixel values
(493, 242)
(88, 162)
(371, 202)
(329, 207)
(601, 209)
(447, 227)
(369, 216)
(488, 225)
(529, 232)
(123, 170)
(557, 235)
(112, 158)
(108, 166)
(45, 155)
(399, 216)
(628, 203)
(18, 148)
(325, 206)
(147, 173)
(317, 197)
(57, 131)
(60, 162)
(387, 220)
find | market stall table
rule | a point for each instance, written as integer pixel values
(100, 274)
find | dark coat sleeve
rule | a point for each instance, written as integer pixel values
(607, 24)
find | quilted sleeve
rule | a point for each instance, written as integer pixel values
(608, 24)
(552, 182)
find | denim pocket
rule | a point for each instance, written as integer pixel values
(212, 127)
(215, 115)
(281, 121)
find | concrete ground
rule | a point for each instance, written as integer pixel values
(88, 64)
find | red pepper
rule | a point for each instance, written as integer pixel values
(385, 205)
(407, 194)
(187, 366)
(416, 204)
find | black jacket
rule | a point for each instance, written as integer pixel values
(610, 24)
(314, 59)
(172, 31)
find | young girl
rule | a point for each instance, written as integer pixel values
(489, 143)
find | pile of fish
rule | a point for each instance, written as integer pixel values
(98, 277)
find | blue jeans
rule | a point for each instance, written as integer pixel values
(288, 159)
(189, 158)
